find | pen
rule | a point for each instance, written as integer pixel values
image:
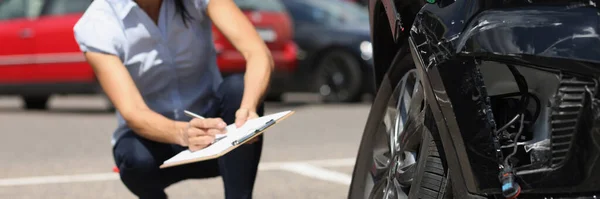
(190, 114)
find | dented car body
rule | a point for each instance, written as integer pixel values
(511, 99)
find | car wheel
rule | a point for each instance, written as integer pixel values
(36, 102)
(339, 77)
(399, 157)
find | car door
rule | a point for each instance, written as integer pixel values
(270, 20)
(308, 28)
(57, 53)
(305, 25)
(16, 42)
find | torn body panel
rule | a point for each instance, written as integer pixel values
(465, 46)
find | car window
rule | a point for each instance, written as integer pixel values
(12, 9)
(300, 11)
(61, 7)
(35, 7)
(260, 5)
(335, 12)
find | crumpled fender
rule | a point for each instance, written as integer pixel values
(448, 42)
(524, 34)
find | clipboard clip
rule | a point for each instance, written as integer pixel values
(243, 139)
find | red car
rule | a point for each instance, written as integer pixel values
(39, 56)
(275, 27)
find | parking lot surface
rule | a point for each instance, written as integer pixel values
(65, 152)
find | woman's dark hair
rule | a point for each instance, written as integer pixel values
(181, 9)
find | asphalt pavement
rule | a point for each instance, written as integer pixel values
(65, 152)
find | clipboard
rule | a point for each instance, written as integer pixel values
(234, 138)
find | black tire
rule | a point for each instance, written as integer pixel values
(372, 176)
(431, 177)
(36, 102)
(431, 181)
(344, 63)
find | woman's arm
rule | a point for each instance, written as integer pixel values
(232, 22)
(100, 39)
(121, 90)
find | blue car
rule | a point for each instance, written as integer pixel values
(335, 54)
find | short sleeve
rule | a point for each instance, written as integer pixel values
(201, 5)
(97, 33)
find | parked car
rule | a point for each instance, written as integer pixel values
(334, 47)
(39, 56)
(361, 2)
(482, 99)
(274, 25)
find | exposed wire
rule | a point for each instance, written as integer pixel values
(538, 107)
(515, 141)
(522, 84)
(510, 188)
(508, 123)
(524, 101)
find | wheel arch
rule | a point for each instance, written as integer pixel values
(389, 19)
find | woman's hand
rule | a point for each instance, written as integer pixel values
(200, 133)
(241, 116)
(244, 114)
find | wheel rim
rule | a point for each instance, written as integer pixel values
(335, 83)
(394, 159)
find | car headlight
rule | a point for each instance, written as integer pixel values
(366, 50)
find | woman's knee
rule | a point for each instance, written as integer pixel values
(138, 167)
(130, 154)
(232, 88)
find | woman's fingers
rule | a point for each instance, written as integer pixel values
(201, 132)
(209, 123)
(200, 142)
(215, 131)
(195, 132)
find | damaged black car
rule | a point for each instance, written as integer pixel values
(482, 99)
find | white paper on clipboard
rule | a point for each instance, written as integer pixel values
(226, 144)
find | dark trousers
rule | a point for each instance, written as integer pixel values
(138, 158)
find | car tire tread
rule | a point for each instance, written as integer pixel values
(432, 184)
